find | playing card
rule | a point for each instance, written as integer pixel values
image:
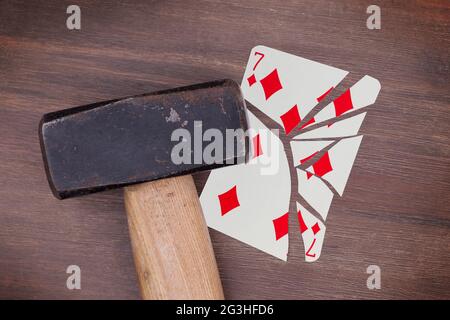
(250, 202)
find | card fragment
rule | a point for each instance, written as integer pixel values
(335, 165)
(343, 128)
(250, 202)
(360, 95)
(286, 87)
(312, 231)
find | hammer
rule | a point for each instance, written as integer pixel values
(131, 143)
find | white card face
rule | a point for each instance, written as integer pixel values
(313, 233)
(284, 86)
(250, 202)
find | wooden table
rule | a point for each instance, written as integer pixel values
(395, 210)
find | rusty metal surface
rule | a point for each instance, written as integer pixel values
(125, 141)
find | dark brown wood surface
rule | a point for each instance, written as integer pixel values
(395, 210)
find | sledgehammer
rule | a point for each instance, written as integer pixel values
(129, 143)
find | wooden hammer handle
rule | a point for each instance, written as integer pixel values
(170, 240)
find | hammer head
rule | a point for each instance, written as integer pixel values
(131, 140)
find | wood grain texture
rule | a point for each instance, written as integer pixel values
(171, 246)
(395, 209)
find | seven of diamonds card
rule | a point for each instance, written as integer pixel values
(250, 202)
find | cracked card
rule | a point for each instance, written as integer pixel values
(250, 202)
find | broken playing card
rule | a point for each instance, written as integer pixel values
(251, 205)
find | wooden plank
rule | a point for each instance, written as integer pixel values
(394, 212)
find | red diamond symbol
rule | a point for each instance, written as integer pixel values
(251, 80)
(228, 201)
(323, 165)
(257, 150)
(315, 228)
(343, 103)
(290, 119)
(281, 226)
(271, 83)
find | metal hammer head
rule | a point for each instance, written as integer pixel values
(126, 141)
